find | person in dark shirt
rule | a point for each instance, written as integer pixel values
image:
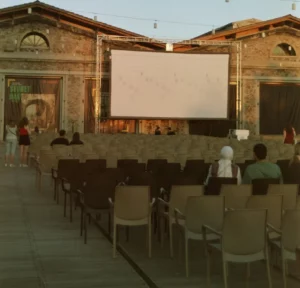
(170, 131)
(157, 131)
(76, 139)
(61, 140)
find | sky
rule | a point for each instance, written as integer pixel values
(176, 19)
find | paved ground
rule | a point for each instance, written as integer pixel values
(40, 248)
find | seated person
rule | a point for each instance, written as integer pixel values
(157, 131)
(224, 167)
(293, 175)
(76, 139)
(61, 140)
(170, 131)
(262, 169)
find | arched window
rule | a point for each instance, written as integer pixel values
(284, 49)
(34, 41)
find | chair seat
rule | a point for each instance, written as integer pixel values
(286, 254)
(239, 258)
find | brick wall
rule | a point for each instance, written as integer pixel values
(71, 56)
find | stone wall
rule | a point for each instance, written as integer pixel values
(259, 65)
(71, 56)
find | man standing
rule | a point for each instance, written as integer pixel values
(262, 168)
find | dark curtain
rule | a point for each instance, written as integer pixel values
(38, 99)
(217, 128)
(89, 106)
(279, 105)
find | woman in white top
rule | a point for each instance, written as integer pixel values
(224, 167)
(11, 140)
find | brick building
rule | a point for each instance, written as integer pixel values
(48, 56)
(270, 71)
(47, 68)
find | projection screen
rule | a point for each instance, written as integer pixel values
(169, 85)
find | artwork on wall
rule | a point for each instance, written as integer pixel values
(40, 110)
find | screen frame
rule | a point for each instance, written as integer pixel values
(173, 118)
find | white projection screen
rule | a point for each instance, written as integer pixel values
(162, 85)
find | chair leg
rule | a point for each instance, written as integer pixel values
(207, 254)
(149, 239)
(269, 272)
(162, 232)
(127, 233)
(284, 273)
(55, 190)
(81, 221)
(225, 271)
(109, 223)
(171, 239)
(65, 204)
(85, 227)
(115, 241)
(57, 193)
(186, 246)
(71, 206)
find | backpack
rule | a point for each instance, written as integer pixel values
(215, 169)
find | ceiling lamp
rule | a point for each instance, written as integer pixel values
(263, 34)
(29, 10)
(227, 1)
(155, 25)
(294, 6)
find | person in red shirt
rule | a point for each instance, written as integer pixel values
(24, 141)
(289, 134)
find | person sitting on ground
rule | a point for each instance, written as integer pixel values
(61, 140)
(157, 131)
(224, 167)
(293, 175)
(76, 139)
(262, 169)
(170, 131)
(289, 134)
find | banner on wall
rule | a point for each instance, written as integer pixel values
(38, 99)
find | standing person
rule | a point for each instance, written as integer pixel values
(24, 141)
(289, 134)
(11, 140)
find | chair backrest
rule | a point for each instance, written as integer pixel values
(273, 203)
(94, 165)
(289, 192)
(236, 196)
(124, 163)
(244, 231)
(97, 190)
(145, 179)
(153, 165)
(284, 167)
(180, 194)
(260, 186)
(132, 202)
(215, 183)
(291, 230)
(200, 210)
(66, 167)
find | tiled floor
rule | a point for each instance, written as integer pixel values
(41, 248)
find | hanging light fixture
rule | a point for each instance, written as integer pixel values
(29, 10)
(213, 31)
(294, 6)
(290, 48)
(155, 25)
(227, 1)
